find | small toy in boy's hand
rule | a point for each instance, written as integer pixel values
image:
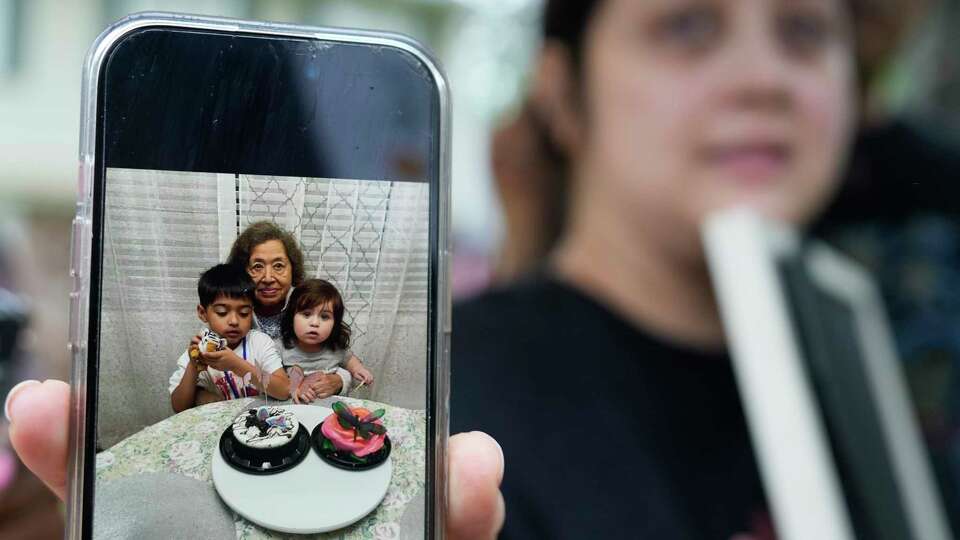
(211, 341)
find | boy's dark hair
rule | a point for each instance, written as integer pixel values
(312, 293)
(227, 280)
(264, 231)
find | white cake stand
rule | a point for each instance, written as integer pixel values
(311, 497)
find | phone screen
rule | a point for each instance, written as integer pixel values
(264, 282)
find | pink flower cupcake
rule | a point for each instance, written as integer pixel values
(353, 437)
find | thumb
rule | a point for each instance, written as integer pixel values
(39, 415)
(476, 509)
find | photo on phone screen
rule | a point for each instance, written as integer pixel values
(265, 267)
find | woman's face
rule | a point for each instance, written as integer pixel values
(692, 105)
(272, 272)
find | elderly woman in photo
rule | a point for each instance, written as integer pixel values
(274, 261)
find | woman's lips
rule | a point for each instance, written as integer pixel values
(750, 163)
(269, 292)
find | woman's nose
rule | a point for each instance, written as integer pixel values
(760, 70)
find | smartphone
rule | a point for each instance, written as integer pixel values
(230, 170)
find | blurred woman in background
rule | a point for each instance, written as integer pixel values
(604, 374)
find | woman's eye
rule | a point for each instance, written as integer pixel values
(804, 32)
(693, 28)
(279, 267)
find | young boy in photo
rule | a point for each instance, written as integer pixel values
(226, 306)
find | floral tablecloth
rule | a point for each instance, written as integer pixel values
(184, 444)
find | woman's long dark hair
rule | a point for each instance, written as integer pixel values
(310, 294)
(566, 22)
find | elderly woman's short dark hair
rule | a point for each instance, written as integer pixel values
(264, 231)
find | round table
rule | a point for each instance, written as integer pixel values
(184, 444)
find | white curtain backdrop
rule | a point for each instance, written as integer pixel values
(162, 229)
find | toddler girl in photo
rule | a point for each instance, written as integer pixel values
(316, 339)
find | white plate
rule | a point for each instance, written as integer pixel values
(311, 497)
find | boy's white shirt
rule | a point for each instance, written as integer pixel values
(260, 351)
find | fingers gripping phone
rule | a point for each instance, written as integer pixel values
(284, 189)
